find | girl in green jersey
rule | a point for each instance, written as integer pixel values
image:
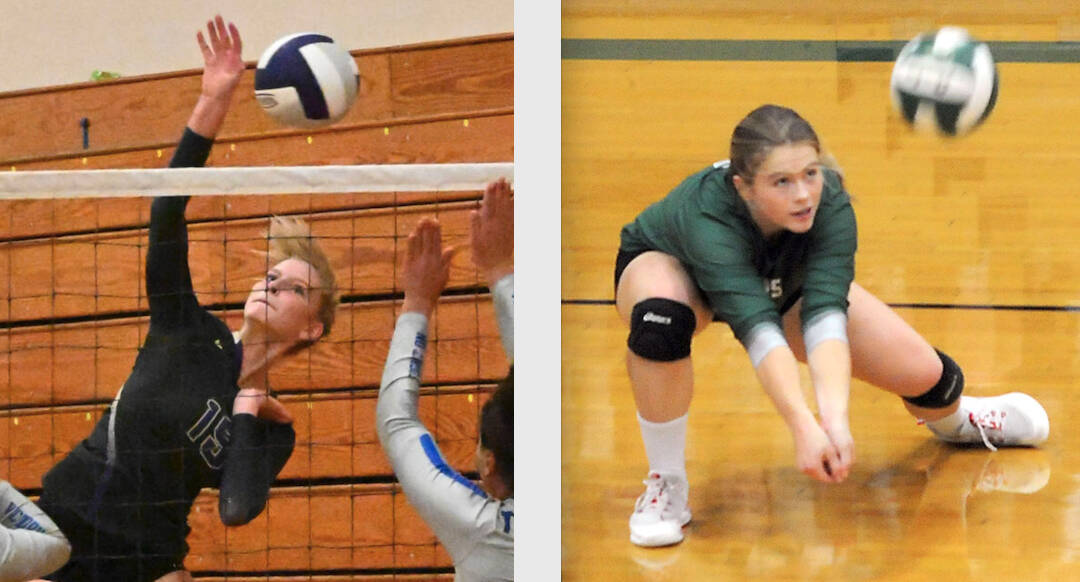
(766, 243)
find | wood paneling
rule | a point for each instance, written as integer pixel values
(103, 273)
(396, 85)
(940, 220)
(42, 218)
(485, 136)
(316, 528)
(1006, 20)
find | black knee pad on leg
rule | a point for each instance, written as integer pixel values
(948, 388)
(661, 329)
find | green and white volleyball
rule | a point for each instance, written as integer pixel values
(944, 81)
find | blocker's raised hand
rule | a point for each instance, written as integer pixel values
(492, 234)
(427, 267)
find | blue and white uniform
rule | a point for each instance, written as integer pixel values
(30, 543)
(476, 530)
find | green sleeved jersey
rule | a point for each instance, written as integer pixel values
(745, 278)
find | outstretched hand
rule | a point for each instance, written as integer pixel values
(427, 267)
(492, 235)
(222, 61)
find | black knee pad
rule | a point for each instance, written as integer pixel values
(948, 388)
(661, 329)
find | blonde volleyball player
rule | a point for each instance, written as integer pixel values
(195, 411)
(765, 242)
(474, 524)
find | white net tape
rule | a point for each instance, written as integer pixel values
(252, 180)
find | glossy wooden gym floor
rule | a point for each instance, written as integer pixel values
(973, 240)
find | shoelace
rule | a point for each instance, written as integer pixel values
(987, 420)
(655, 495)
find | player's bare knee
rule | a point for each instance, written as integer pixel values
(947, 389)
(661, 329)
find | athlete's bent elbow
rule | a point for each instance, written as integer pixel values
(57, 555)
(235, 513)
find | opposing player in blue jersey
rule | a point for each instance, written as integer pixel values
(474, 524)
(31, 545)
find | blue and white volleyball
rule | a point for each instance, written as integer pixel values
(306, 80)
(944, 81)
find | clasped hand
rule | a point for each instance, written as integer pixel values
(825, 450)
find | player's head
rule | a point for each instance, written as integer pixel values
(776, 167)
(297, 298)
(495, 452)
(762, 130)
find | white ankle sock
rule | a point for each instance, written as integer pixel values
(665, 445)
(950, 424)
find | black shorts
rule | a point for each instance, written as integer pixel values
(97, 556)
(621, 261)
(624, 257)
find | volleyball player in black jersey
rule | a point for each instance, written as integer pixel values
(195, 411)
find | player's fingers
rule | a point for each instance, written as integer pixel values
(837, 467)
(274, 410)
(220, 30)
(415, 243)
(215, 41)
(505, 202)
(432, 235)
(234, 35)
(446, 259)
(449, 253)
(847, 457)
(203, 46)
(498, 192)
(422, 236)
(436, 231)
(474, 224)
(503, 189)
(815, 471)
(490, 199)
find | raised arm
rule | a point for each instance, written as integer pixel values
(493, 253)
(30, 543)
(446, 501)
(223, 67)
(168, 277)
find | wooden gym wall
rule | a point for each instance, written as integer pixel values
(74, 312)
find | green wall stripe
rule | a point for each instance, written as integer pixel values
(626, 49)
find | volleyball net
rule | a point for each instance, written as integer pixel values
(74, 314)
